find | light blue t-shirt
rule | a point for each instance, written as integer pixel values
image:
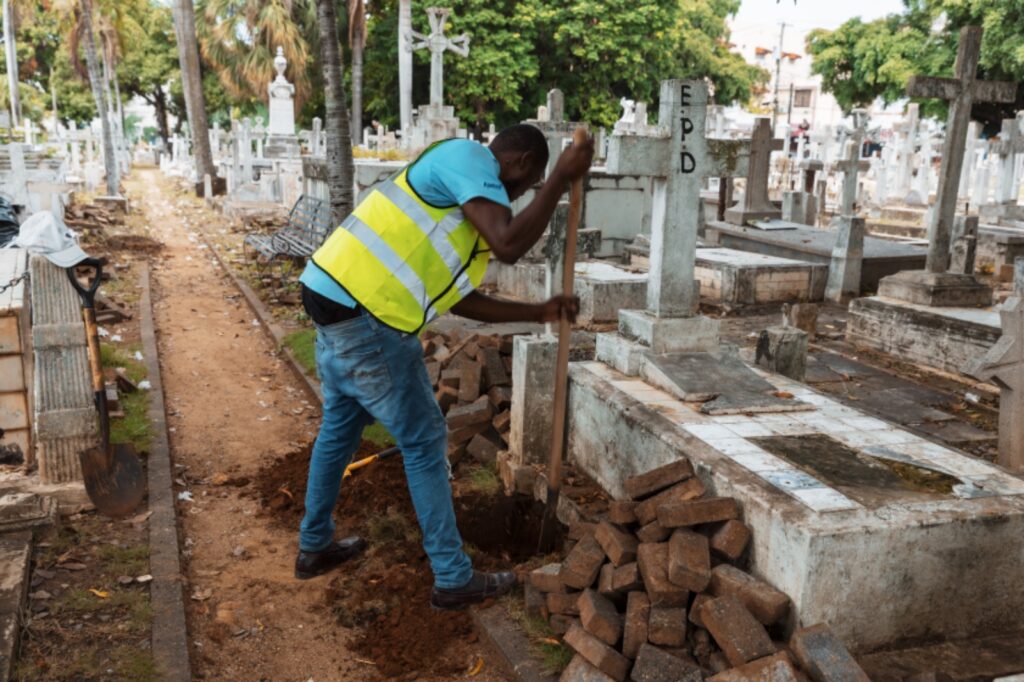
(451, 174)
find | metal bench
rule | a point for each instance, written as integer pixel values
(309, 224)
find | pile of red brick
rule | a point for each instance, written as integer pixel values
(472, 377)
(652, 594)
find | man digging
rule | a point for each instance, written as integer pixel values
(415, 248)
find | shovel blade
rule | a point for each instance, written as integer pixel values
(114, 479)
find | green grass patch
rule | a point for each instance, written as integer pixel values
(134, 427)
(302, 344)
(484, 479)
(376, 433)
(553, 654)
(120, 561)
(391, 527)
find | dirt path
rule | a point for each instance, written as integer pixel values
(232, 407)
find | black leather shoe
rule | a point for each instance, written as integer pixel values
(482, 586)
(311, 564)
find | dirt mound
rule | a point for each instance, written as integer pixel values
(385, 596)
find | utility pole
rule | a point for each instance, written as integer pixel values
(778, 76)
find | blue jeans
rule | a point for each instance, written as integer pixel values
(369, 372)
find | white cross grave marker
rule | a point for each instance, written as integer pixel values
(437, 42)
(755, 204)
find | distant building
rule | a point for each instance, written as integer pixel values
(800, 95)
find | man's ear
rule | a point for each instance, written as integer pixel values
(527, 160)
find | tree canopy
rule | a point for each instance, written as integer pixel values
(861, 61)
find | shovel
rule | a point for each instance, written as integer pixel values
(113, 475)
(549, 523)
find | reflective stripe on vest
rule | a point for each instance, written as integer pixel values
(406, 262)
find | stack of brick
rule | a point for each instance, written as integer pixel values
(653, 594)
(472, 379)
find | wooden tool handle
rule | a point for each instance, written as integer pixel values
(554, 472)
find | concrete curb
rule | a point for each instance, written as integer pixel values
(170, 632)
(511, 643)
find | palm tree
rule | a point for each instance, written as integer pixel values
(356, 42)
(99, 93)
(12, 62)
(339, 140)
(192, 85)
(239, 39)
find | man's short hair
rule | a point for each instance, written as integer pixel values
(522, 137)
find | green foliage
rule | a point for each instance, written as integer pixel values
(860, 61)
(302, 344)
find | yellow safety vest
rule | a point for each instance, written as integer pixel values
(403, 260)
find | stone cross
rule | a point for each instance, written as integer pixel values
(314, 138)
(755, 204)
(1004, 365)
(851, 164)
(973, 133)
(844, 272)
(1011, 143)
(437, 42)
(979, 193)
(678, 158)
(961, 92)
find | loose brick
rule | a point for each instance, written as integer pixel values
(695, 607)
(546, 578)
(500, 397)
(736, 631)
(494, 373)
(560, 623)
(696, 512)
(777, 668)
(622, 512)
(599, 617)
(598, 654)
(653, 532)
(768, 604)
(653, 561)
(455, 453)
(434, 373)
(447, 397)
(483, 449)
(605, 580)
(449, 377)
(564, 603)
(469, 382)
(583, 563)
(580, 529)
(690, 489)
(627, 578)
(667, 626)
(646, 484)
(634, 632)
(656, 665)
(823, 657)
(536, 604)
(476, 412)
(730, 540)
(579, 670)
(502, 421)
(619, 545)
(689, 560)
(466, 433)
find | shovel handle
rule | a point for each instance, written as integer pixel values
(87, 294)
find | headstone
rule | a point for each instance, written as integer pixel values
(1011, 143)
(678, 159)
(783, 350)
(1004, 365)
(551, 121)
(314, 141)
(281, 139)
(918, 196)
(755, 204)
(965, 244)
(934, 285)
(982, 176)
(973, 133)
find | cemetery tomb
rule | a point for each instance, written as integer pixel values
(743, 278)
(882, 257)
(844, 507)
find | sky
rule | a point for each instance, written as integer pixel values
(807, 14)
